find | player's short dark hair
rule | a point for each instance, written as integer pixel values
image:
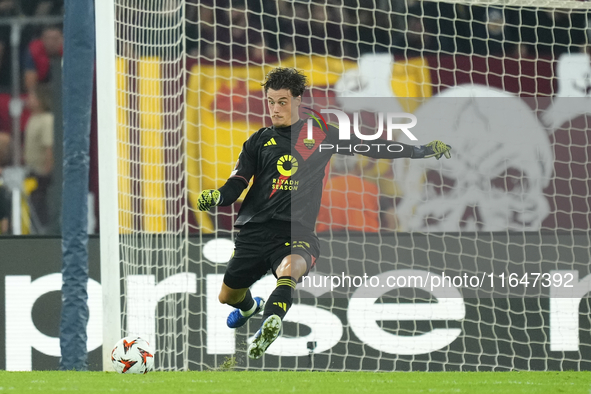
(286, 78)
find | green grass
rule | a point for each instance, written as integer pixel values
(299, 382)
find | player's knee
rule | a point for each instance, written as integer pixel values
(300, 269)
(293, 265)
(230, 297)
(227, 298)
(222, 298)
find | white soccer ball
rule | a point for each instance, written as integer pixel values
(132, 355)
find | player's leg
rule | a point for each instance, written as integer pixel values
(288, 272)
(245, 305)
(241, 273)
(246, 266)
(233, 296)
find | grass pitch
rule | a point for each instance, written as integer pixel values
(299, 382)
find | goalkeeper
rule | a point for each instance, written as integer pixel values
(278, 215)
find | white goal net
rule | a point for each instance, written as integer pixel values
(505, 221)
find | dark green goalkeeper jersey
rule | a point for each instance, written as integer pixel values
(289, 170)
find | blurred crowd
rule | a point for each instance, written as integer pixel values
(16, 8)
(249, 30)
(39, 43)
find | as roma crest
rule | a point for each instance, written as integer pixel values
(309, 142)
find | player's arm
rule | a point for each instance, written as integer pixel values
(386, 149)
(383, 149)
(235, 185)
(225, 195)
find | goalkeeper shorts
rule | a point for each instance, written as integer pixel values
(261, 247)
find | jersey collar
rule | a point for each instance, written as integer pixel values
(297, 125)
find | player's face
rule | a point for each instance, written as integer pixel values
(283, 107)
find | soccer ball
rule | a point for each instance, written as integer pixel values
(132, 355)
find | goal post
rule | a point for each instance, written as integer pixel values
(108, 180)
(505, 83)
(141, 82)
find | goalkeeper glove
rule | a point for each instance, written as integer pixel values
(432, 149)
(209, 198)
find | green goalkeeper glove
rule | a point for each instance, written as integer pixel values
(432, 149)
(209, 198)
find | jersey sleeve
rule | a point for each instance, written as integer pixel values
(246, 165)
(377, 149)
(339, 146)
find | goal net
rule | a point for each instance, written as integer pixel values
(479, 262)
